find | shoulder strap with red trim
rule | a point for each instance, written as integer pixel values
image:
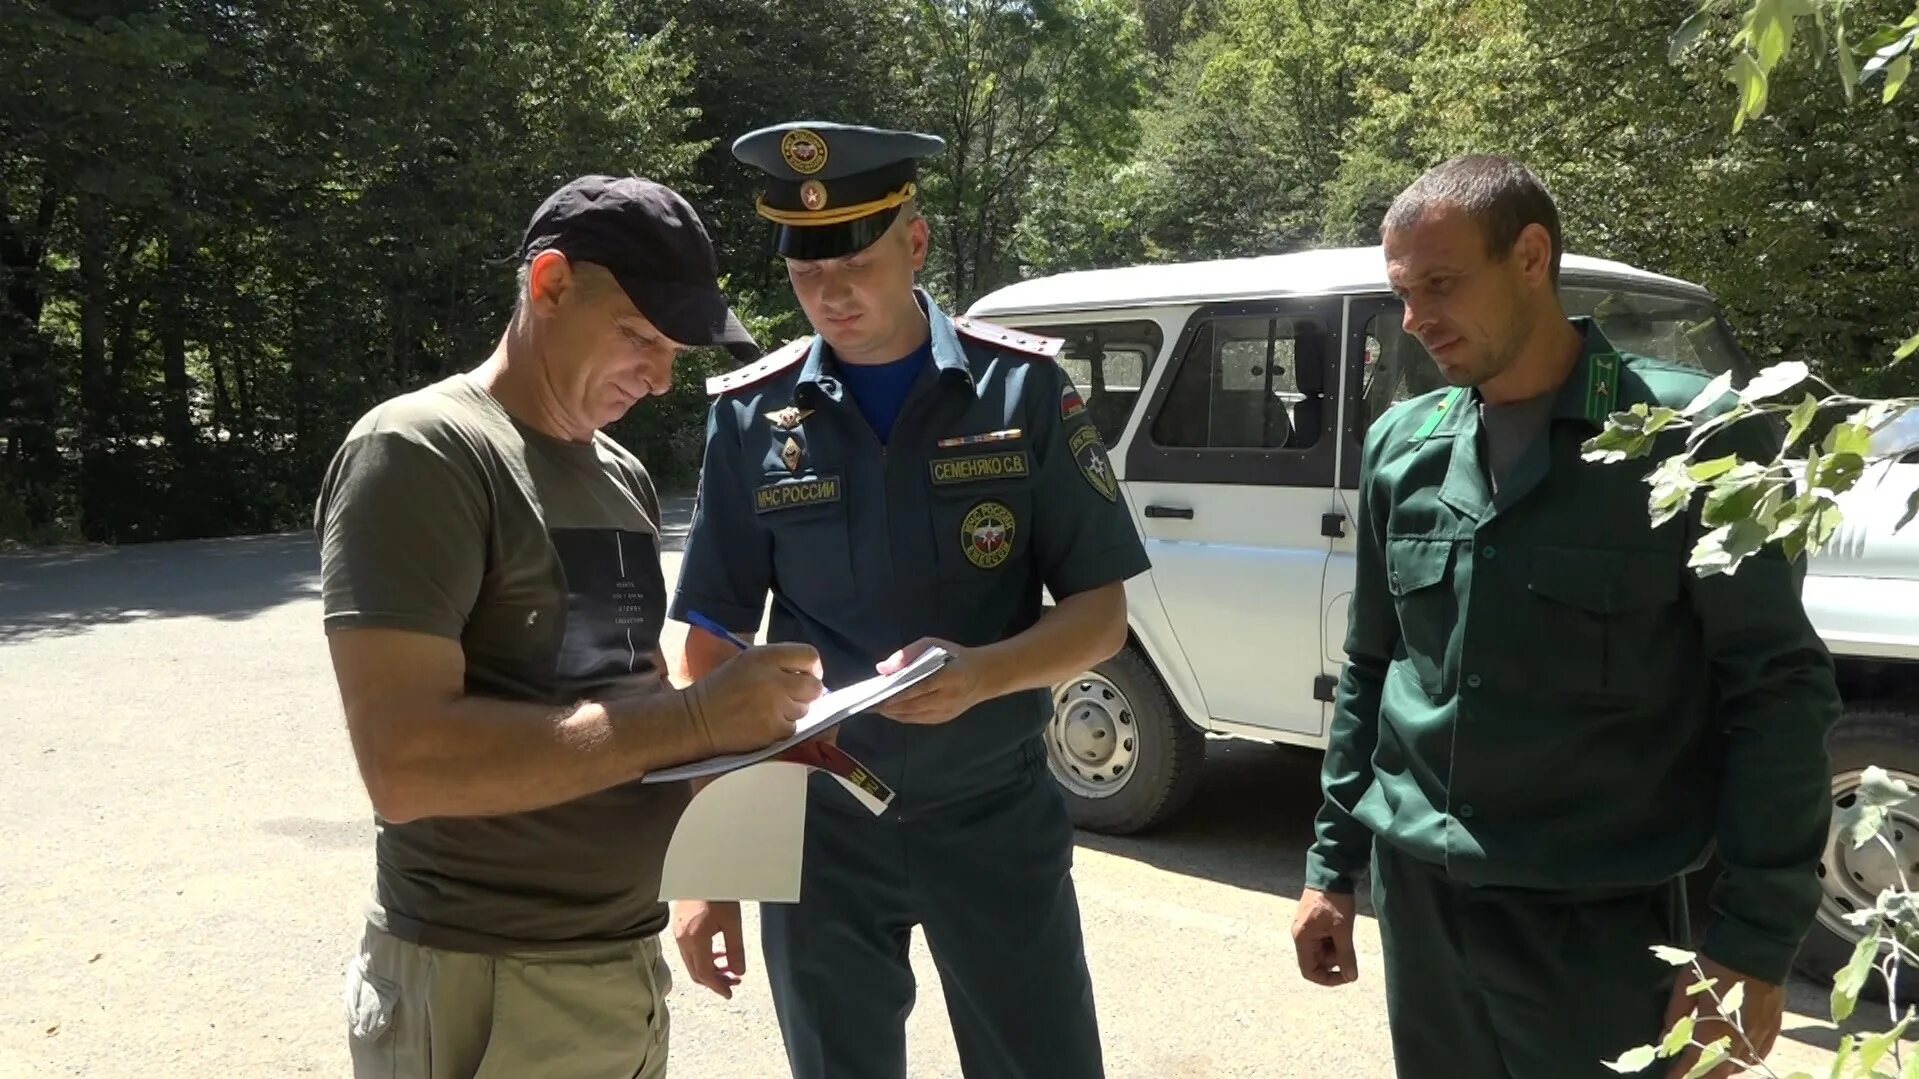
(786, 356)
(1045, 348)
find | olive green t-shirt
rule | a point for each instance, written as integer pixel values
(442, 514)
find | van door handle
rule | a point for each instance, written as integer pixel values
(1182, 512)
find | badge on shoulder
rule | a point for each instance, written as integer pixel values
(1089, 453)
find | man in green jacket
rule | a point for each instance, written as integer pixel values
(1547, 718)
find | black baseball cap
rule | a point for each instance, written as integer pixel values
(654, 245)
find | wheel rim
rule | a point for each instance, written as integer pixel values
(1851, 880)
(1092, 740)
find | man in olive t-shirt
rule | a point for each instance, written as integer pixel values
(493, 598)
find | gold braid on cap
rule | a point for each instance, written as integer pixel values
(838, 215)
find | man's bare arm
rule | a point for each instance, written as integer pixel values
(427, 749)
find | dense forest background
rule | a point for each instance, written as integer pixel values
(227, 229)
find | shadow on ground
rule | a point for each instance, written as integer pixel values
(1248, 825)
(55, 593)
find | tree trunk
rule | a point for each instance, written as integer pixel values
(243, 395)
(176, 408)
(95, 303)
(126, 353)
(30, 399)
(222, 401)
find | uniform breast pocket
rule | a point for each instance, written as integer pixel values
(1592, 608)
(1416, 575)
(806, 520)
(983, 532)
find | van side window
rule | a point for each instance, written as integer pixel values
(1396, 366)
(1687, 332)
(1680, 331)
(1108, 362)
(1248, 383)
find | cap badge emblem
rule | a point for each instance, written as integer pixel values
(813, 194)
(805, 152)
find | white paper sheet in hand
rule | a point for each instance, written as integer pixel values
(828, 711)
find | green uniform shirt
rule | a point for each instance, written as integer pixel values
(1541, 694)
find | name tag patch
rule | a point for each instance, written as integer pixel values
(781, 496)
(972, 468)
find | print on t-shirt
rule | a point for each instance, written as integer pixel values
(615, 604)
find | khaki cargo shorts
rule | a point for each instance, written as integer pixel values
(424, 1013)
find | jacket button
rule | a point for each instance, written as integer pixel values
(1489, 552)
(1475, 681)
(1465, 812)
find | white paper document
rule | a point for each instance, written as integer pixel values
(742, 835)
(826, 712)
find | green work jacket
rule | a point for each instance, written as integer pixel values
(1541, 694)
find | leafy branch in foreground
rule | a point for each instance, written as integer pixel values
(1793, 499)
(1891, 935)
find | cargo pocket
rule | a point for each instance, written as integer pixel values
(1416, 575)
(1593, 605)
(596, 1011)
(807, 521)
(371, 1004)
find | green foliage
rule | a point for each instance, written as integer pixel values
(1028, 95)
(1766, 491)
(226, 230)
(1890, 930)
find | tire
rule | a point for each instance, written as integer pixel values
(1121, 751)
(1871, 733)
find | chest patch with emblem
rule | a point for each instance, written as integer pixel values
(780, 496)
(972, 468)
(1090, 454)
(986, 534)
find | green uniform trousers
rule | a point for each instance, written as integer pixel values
(1503, 983)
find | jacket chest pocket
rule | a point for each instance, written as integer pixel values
(806, 520)
(983, 530)
(1594, 612)
(1417, 575)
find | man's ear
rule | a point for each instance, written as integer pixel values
(1534, 253)
(548, 280)
(919, 240)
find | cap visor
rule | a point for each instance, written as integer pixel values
(692, 315)
(812, 242)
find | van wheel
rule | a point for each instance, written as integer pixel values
(1120, 749)
(1872, 733)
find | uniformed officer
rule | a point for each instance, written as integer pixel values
(901, 479)
(1547, 718)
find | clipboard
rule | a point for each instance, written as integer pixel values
(742, 835)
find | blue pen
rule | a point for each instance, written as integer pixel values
(695, 618)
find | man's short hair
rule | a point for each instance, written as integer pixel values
(1499, 193)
